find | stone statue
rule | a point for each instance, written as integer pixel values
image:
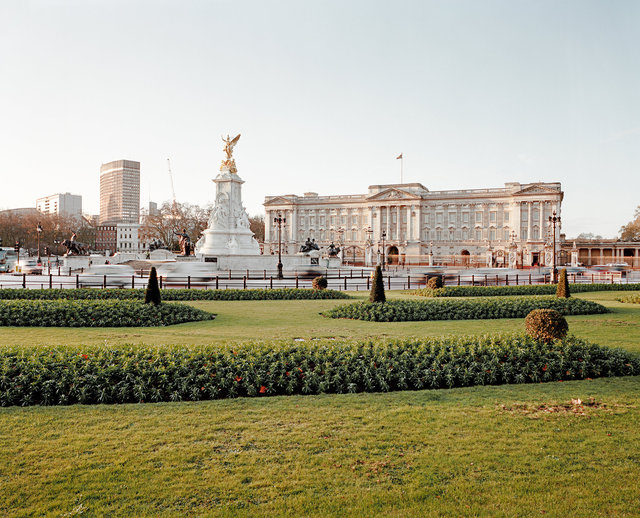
(73, 246)
(309, 245)
(333, 250)
(229, 163)
(185, 242)
(229, 145)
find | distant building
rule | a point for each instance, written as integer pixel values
(408, 223)
(120, 192)
(22, 211)
(128, 238)
(106, 238)
(64, 204)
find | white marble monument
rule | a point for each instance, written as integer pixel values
(228, 232)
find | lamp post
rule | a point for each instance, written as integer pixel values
(384, 236)
(39, 231)
(553, 220)
(279, 220)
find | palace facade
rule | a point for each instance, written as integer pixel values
(409, 224)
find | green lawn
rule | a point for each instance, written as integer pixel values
(515, 450)
(286, 319)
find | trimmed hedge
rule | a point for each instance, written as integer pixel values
(169, 294)
(412, 310)
(534, 289)
(95, 313)
(546, 325)
(137, 374)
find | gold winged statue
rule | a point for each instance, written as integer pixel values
(229, 145)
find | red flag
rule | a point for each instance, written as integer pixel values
(399, 157)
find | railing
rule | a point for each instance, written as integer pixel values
(343, 280)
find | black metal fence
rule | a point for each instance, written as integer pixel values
(351, 279)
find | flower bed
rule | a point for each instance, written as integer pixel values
(95, 313)
(534, 289)
(170, 294)
(497, 307)
(632, 299)
(100, 374)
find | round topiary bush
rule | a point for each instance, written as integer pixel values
(319, 283)
(546, 325)
(435, 282)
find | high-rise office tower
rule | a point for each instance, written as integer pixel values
(120, 192)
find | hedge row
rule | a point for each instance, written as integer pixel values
(128, 374)
(459, 309)
(170, 294)
(534, 289)
(632, 299)
(95, 313)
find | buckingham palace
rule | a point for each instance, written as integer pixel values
(409, 224)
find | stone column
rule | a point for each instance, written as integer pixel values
(388, 224)
(398, 222)
(542, 204)
(529, 220)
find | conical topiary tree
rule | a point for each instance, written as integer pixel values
(563, 285)
(377, 287)
(152, 295)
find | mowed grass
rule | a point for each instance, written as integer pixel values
(288, 319)
(514, 450)
(490, 451)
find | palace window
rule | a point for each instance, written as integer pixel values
(438, 235)
(465, 235)
(493, 216)
(333, 221)
(478, 234)
(523, 233)
(439, 218)
(506, 217)
(354, 235)
(478, 217)
(492, 234)
(321, 221)
(343, 220)
(506, 234)
(311, 221)
(394, 218)
(354, 220)
(465, 217)
(452, 217)
(535, 234)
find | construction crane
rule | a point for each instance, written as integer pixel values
(173, 191)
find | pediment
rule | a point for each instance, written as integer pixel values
(536, 189)
(394, 194)
(278, 200)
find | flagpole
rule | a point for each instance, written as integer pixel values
(402, 170)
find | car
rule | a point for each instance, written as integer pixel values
(181, 271)
(111, 275)
(29, 267)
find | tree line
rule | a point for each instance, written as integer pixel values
(22, 227)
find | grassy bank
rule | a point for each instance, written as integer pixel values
(498, 451)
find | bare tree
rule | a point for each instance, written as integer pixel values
(631, 231)
(173, 217)
(256, 225)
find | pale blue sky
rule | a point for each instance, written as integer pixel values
(326, 94)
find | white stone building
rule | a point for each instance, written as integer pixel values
(407, 223)
(128, 238)
(62, 203)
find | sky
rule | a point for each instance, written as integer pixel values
(326, 94)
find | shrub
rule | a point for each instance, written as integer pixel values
(377, 287)
(41, 375)
(319, 283)
(95, 313)
(535, 289)
(563, 285)
(434, 282)
(152, 295)
(460, 309)
(170, 294)
(546, 325)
